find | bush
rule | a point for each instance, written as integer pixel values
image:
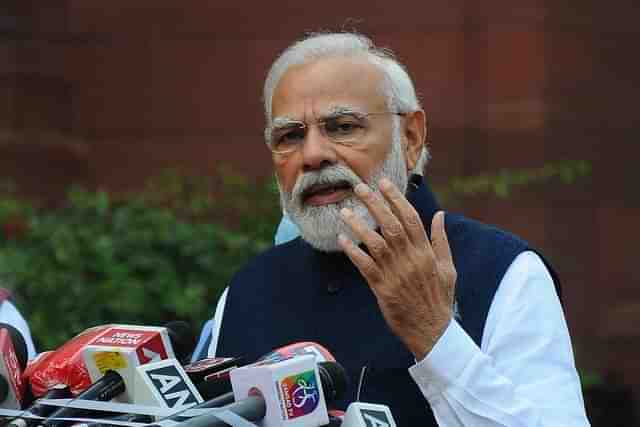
(143, 258)
(164, 253)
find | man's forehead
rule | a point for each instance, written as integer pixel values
(322, 87)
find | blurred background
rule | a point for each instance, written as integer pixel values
(134, 180)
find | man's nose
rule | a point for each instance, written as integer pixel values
(317, 151)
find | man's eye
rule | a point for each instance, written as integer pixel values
(293, 136)
(342, 126)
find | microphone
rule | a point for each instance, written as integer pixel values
(360, 414)
(164, 384)
(291, 392)
(13, 360)
(62, 366)
(203, 368)
(129, 418)
(211, 376)
(298, 349)
(218, 383)
(216, 386)
(112, 357)
(122, 348)
(332, 376)
(59, 391)
(182, 339)
(66, 365)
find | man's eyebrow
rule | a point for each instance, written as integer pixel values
(335, 111)
(340, 110)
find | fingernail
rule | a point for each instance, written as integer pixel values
(361, 189)
(345, 212)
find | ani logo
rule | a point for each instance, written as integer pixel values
(300, 394)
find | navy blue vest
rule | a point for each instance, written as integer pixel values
(294, 293)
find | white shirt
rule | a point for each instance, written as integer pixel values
(523, 374)
(9, 314)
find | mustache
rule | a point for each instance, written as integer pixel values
(331, 175)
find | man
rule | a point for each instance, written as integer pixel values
(447, 321)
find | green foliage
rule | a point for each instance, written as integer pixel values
(142, 258)
(250, 209)
(504, 182)
(161, 254)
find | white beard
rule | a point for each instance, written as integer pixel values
(320, 225)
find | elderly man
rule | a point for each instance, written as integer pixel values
(448, 321)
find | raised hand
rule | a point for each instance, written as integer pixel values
(412, 278)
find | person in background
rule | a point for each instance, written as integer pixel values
(286, 231)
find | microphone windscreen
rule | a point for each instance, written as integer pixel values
(19, 344)
(183, 340)
(334, 379)
(4, 389)
(13, 358)
(63, 366)
(297, 349)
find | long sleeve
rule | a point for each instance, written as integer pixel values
(524, 372)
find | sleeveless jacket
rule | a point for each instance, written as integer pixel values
(294, 293)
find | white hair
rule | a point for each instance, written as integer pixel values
(397, 85)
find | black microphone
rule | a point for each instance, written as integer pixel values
(59, 391)
(13, 361)
(131, 418)
(183, 340)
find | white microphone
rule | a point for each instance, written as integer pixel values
(218, 382)
(292, 392)
(291, 389)
(360, 414)
(13, 360)
(164, 384)
(121, 349)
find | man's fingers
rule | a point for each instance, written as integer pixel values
(391, 228)
(362, 261)
(440, 244)
(374, 242)
(406, 213)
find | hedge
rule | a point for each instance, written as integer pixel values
(162, 254)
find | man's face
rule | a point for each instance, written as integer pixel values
(317, 179)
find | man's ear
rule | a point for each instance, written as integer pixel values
(415, 132)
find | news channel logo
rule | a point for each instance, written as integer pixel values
(300, 394)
